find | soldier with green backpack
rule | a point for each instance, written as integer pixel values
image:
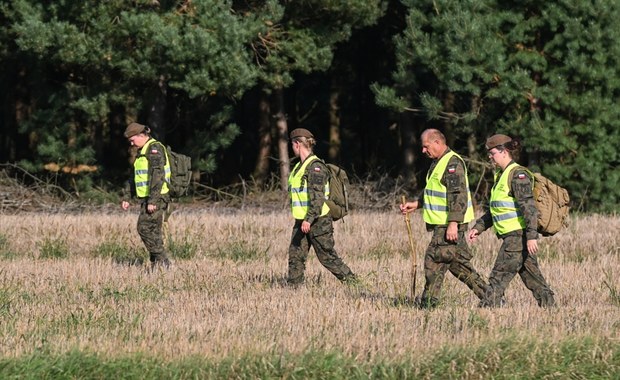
(159, 175)
(311, 205)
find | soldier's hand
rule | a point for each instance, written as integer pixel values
(125, 205)
(472, 235)
(532, 246)
(408, 207)
(305, 227)
(150, 208)
(452, 232)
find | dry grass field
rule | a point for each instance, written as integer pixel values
(70, 282)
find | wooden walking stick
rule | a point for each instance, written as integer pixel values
(414, 264)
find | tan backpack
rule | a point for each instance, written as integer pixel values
(552, 204)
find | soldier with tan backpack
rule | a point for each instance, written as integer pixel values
(513, 214)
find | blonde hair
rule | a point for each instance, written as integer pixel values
(308, 142)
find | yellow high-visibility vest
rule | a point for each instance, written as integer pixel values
(141, 172)
(506, 216)
(436, 197)
(298, 190)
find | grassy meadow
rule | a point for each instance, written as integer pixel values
(77, 302)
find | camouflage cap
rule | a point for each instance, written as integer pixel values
(134, 129)
(497, 140)
(301, 132)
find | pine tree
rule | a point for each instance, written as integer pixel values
(547, 72)
(103, 64)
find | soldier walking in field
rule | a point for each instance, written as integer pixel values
(150, 182)
(308, 186)
(513, 215)
(447, 209)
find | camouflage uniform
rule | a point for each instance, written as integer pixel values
(442, 255)
(513, 255)
(151, 227)
(321, 235)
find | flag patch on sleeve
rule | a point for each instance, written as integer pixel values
(317, 169)
(154, 151)
(452, 170)
(521, 175)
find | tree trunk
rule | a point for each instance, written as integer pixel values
(334, 125)
(261, 170)
(472, 152)
(408, 144)
(282, 129)
(157, 112)
(448, 106)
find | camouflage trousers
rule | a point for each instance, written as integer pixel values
(442, 256)
(514, 258)
(321, 238)
(152, 228)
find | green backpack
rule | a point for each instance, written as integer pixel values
(338, 200)
(180, 173)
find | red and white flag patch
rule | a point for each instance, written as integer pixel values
(452, 170)
(521, 175)
(317, 169)
(154, 151)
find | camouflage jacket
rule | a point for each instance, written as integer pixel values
(520, 185)
(317, 177)
(156, 155)
(453, 179)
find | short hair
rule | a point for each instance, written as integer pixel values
(434, 134)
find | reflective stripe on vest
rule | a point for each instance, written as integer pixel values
(141, 172)
(435, 194)
(298, 190)
(506, 216)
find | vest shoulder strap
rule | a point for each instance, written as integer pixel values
(315, 160)
(513, 172)
(148, 145)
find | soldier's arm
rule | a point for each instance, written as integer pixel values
(521, 188)
(418, 196)
(157, 160)
(317, 178)
(129, 190)
(456, 188)
(484, 222)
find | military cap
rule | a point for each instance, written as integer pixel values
(300, 132)
(134, 129)
(497, 140)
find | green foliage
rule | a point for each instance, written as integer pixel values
(576, 357)
(53, 248)
(302, 36)
(610, 283)
(93, 66)
(183, 249)
(8, 295)
(6, 251)
(380, 251)
(239, 251)
(77, 72)
(549, 73)
(120, 253)
(207, 142)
